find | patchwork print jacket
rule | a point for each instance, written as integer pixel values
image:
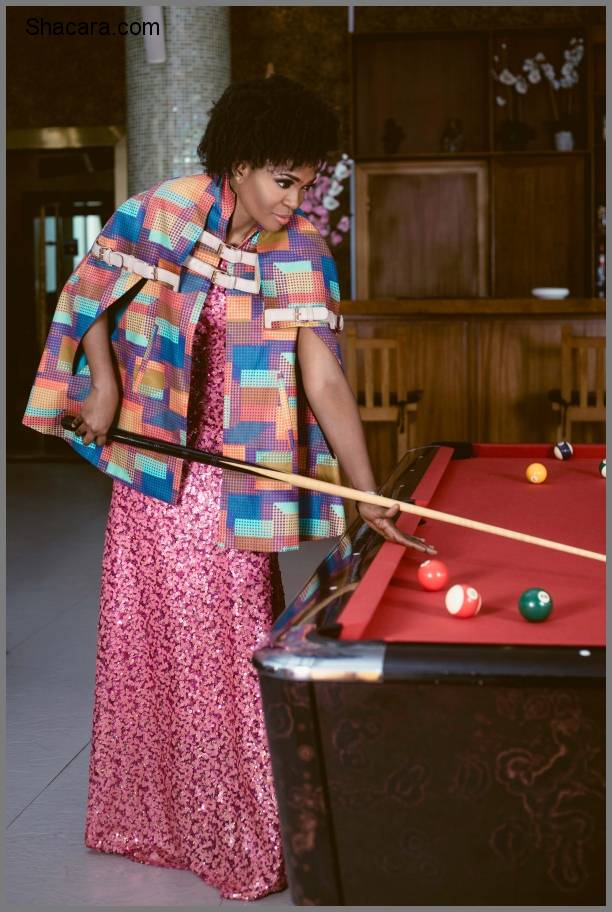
(267, 419)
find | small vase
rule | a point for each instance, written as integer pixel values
(564, 141)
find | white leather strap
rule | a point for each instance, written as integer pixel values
(307, 314)
(132, 264)
(218, 277)
(231, 254)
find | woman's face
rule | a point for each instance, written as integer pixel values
(269, 195)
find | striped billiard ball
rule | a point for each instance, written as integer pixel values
(563, 450)
(463, 601)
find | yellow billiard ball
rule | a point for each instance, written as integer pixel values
(536, 473)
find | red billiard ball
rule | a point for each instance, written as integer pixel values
(463, 601)
(432, 575)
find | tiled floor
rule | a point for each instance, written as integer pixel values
(56, 514)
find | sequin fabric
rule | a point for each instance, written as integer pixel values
(179, 771)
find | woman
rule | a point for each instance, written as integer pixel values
(180, 774)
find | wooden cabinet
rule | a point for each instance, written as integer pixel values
(494, 216)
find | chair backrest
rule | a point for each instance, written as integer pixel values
(583, 371)
(375, 371)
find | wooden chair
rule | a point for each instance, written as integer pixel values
(375, 371)
(582, 396)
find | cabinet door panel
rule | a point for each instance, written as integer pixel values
(540, 224)
(422, 230)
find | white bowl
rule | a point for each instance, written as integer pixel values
(550, 294)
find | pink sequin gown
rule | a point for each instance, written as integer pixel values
(179, 770)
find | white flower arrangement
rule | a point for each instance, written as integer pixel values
(536, 70)
(506, 78)
(568, 76)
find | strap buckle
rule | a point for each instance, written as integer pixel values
(112, 257)
(304, 314)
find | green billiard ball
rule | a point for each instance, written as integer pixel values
(535, 604)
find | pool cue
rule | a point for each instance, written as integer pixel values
(328, 487)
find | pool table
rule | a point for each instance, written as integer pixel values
(424, 759)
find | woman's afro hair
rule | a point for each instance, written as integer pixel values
(271, 120)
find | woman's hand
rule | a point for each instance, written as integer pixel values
(97, 413)
(381, 519)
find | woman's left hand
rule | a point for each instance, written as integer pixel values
(382, 520)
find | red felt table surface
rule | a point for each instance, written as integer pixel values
(568, 507)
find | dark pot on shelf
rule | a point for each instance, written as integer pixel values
(392, 136)
(514, 135)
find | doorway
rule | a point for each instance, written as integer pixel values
(57, 202)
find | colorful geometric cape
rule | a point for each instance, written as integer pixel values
(267, 418)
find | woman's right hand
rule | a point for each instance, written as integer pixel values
(96, 414)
